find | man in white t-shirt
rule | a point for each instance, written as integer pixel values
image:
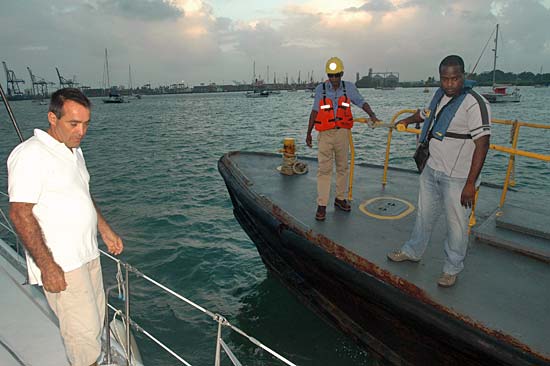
(458, 132)
(57, 220)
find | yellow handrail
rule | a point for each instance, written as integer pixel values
(352, 149)
(512, 151)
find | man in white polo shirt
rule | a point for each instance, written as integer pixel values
(57, 221)
(458, 129)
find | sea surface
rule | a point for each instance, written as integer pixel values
(153, 164)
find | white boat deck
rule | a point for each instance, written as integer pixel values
(29, 334)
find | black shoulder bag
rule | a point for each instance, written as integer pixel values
(422, 154)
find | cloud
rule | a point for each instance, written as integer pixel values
(374, 6)
(148, 10)
(168, 41)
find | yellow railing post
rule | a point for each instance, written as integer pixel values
(473, 213)
(387, 157)
(351, 166)
(511, 162)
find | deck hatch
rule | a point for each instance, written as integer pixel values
(386, 208)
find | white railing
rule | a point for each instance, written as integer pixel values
(222, 321)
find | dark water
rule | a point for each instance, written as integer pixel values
(154, 174)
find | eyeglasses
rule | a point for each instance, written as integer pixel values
(334, 75)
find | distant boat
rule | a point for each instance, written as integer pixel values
(257, 94)
(114, 95)
(500, 93)
(426, 90)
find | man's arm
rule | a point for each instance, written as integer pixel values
(110, 237)
(28, 229)
(366, 107)
(312, 117)
(478, 159)
(415, 118)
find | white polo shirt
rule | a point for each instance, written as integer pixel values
(453, 156)
(45, 172)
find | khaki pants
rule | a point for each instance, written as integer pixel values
(333, 144)
(80, 310)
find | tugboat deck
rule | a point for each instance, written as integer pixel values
(501, 292)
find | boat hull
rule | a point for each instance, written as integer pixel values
(357, 297)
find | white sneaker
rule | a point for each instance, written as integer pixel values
(400, 256)
(447, 280)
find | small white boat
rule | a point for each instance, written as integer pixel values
(114, 98)
(500, 94)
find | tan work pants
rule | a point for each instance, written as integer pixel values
(80, 310)
(333, 144)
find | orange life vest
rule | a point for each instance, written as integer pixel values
(325, 119)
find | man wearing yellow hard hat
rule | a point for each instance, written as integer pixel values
(332, 118)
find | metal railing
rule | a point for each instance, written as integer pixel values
(219, 319)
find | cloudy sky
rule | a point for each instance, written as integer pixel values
(203, 41)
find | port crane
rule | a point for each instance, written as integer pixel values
(13, 81)
(65, 83)
(39, 85)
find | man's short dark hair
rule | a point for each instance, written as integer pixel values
(60, 96)
(452, 60)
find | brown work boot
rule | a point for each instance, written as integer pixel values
(321, 213)
(342, 205)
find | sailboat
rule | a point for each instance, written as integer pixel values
(130, 85)
(114, 95)
(500, 93)
(258, 90)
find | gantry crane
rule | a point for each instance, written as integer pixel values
(39, 85)
(13, 81)
(65, 83)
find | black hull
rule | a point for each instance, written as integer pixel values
(354, 295)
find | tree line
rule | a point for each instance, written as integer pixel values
(524, 78)
(485, 78)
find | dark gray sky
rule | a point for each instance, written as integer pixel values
(203, 41)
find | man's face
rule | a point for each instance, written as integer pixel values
(335, 79)
(71, 128)
(452, 80)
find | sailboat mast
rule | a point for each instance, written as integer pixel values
(130, 85)
(495, 58)
(107, 70)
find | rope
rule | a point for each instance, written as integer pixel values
(120, 283)
(118, 336)
(292, 166)
(482, 52)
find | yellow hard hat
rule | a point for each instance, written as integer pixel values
(334, 66)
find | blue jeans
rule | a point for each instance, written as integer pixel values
(439, 191)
